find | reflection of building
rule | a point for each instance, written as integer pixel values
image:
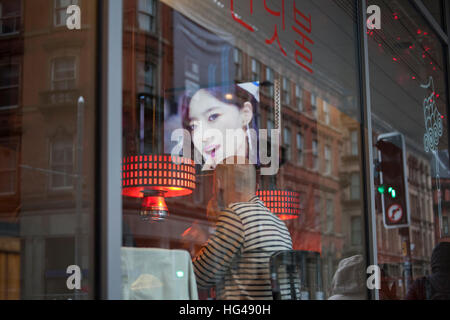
(11, 65)
(48, 73)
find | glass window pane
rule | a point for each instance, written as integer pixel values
(408, 77)
(194, 107)
(45, 227)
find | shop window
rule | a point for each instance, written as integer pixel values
(147, 15)
(356, 231)
(286, 88)
(10, 16)
(9, 86)
(315, 155)
(287, 143)
(61, 163)
(237, 58)
(60, 11)
(8, 170)
(63, 74)
(299, 149)
(299, 97)
(256, 70)
(355, 187)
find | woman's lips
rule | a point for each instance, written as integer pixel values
(211, 150)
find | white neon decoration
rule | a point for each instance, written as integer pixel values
(433, 119)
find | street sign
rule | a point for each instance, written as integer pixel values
(395, 213)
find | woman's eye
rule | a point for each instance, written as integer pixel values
(192, 127)
(213, 117)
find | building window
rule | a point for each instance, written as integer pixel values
(269, 79)
(315, 155)
(9, 86)
(63, 74)
(8, 170)
(287, 143)
(314, 105)
(326, 112)
(356, 231)
(147, 77)
(61, 11)
(256, 70)
(9, 16)
(327, 155)
(299, 98)
(299, 149)
(237, 58)
(61, 163)
(330, 217)
(147, 15)
(286, 88)
(354, 142)
(355, 187)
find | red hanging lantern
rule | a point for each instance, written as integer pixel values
(154, 178)
(285, 204)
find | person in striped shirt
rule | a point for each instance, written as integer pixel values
(235, 259)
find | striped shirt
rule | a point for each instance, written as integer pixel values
(236, 257)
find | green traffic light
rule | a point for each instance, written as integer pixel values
(393, 193)
(382, 189)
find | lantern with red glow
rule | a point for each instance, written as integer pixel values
(154, 178)
(285, 204)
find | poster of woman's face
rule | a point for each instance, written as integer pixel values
(220, 121)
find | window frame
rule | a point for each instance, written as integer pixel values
(287, 142)
(75, 73)
(153, 17)
(16, 17)
(51, 164)
(14, 170)
(300, 148)
(299, 98)
(11, 87)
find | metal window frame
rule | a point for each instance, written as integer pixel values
(108, 220)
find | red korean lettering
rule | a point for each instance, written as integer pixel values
(240, 21)
(276, 37)
(275, 33)
(303, 52)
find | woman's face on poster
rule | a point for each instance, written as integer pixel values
(212, 120)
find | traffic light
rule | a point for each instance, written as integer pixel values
(393, 187)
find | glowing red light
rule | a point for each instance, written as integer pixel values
(419, 31)
(414, 78)
(395, 59)
(396, 17)
(442, 117)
